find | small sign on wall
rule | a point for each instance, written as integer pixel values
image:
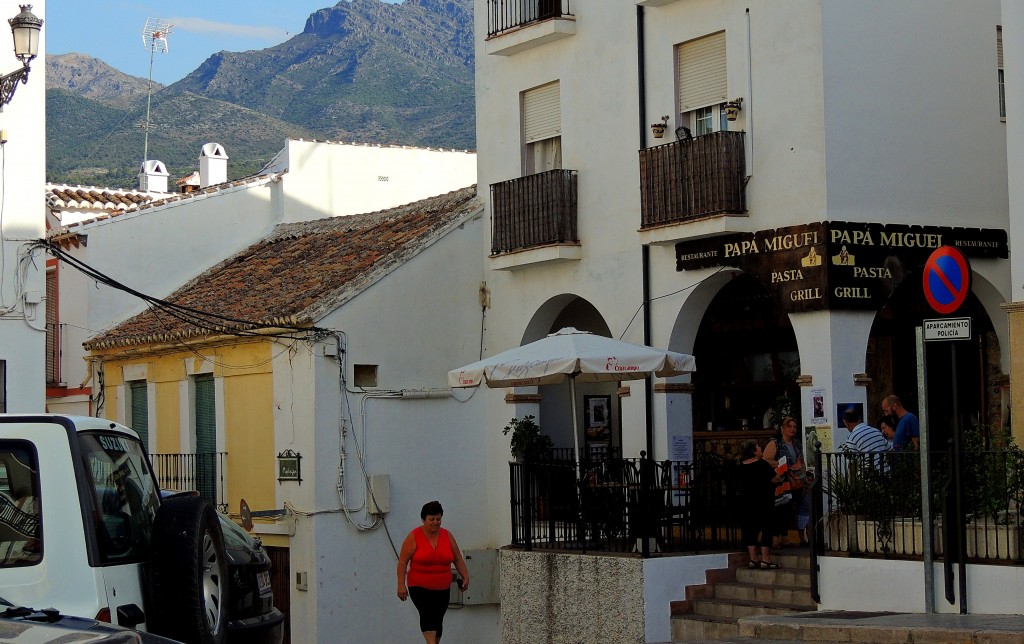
(289, 466)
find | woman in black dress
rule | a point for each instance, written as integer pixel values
(757, 479)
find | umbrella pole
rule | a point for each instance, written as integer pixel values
(575, 424)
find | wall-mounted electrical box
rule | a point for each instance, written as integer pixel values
(380, 494)
(302, 581)
(483, 579)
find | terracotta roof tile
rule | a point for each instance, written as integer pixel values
(302, 271)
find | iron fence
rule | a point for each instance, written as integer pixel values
(872, 505)
(204, 473)
(624, 505)
(503, 15)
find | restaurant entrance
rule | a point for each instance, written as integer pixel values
(748, 360)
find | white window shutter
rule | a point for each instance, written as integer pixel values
(542, 113)
(702, 73)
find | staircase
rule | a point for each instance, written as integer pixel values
(712, 610)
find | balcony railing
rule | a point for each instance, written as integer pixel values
(625, 505)
(503, 15)
(533, 211)
(204, 473)
(692, 178)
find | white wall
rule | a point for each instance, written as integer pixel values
(415, 324)
(23, 165)
(1013, 61)
(331, 179)
(898, 586)
(912, 113)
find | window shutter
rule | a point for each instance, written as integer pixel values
(702, 72)
(542, 113)
(206, 439)
(206, 417)
(140, 410)
(52, 329)
(999, 47)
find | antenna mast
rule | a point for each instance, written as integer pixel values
(154, 38)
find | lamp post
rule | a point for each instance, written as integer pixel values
(25, 28)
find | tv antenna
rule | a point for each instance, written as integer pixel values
(154, 38)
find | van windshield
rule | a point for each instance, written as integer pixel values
(21, 531)
(125, 496)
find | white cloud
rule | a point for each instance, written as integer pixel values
(201, 25)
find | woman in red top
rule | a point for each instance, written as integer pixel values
(425, 566)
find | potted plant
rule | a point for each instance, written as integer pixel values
(528, 443)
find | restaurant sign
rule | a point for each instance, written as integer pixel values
(836, 265)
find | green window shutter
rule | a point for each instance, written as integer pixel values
(139, 398)
(206, 438)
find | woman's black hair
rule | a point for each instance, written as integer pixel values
(889, 420)
(430, 509)
(748, 449)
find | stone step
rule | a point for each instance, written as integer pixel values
(799, 577)
(703, 628)
(737, 608)
(765, 594)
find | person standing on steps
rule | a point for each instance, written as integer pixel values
(757, 479)
(797, 512)
(425, 570)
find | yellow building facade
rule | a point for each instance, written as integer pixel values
(241, 371)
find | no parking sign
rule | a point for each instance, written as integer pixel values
(947, 279)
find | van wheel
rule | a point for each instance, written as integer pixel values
(189, 573)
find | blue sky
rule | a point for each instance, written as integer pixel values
(111, 30)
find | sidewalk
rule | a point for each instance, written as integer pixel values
(859, 626)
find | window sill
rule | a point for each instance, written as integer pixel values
(552, 254)
(530, 36)
(654, 3)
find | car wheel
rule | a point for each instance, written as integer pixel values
(189, 573)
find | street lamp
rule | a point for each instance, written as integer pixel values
(25, 27)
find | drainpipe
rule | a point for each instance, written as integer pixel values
(645, 257)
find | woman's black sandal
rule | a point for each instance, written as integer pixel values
(753, 565)
(770, 565)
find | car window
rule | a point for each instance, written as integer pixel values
(21, 530)
(125, 496)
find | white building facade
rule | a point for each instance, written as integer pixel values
(153, 243)
(22, 288)
(815, 154)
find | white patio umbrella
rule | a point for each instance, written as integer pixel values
(576, 355)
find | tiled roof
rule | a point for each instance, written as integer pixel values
(302, 271)
(63, 197)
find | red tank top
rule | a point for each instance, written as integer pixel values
(431, 568)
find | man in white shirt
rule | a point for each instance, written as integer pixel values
(863, 437)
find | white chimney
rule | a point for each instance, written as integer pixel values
(153, 176)
(213, 165)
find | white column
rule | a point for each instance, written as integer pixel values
(833, 348)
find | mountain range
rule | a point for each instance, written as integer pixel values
(361, 71)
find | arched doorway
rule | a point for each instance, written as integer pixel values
(598, 404)
(747, 358)
(892, 365)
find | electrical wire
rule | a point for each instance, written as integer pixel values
(686, 288)
(206, 320)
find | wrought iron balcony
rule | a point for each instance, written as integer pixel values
(533, 211)
(692, 178)
(205, 473)
(503, 15)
